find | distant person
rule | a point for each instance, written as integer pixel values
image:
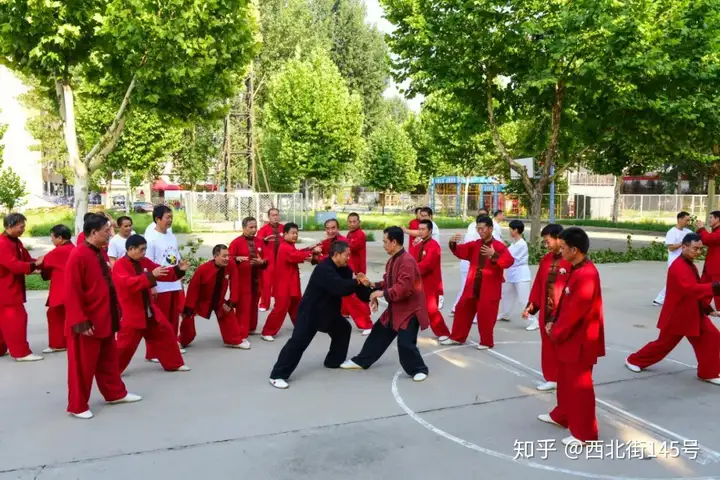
(470, 236)
(711, 239)
(271, 234)
(516, 289)
(53, 269)
(673, 241)
(428, 257)
(355, 308)
(498, 216)
(116, 249)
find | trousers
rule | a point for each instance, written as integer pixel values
(358, 310)
(56, 327)
(170, 305)
(486, 313)
(283, 306)
(513, 294)
(247, 313)
(575, 408)
(13, 331)
(437, 322)
(158, 335)
(380, 339)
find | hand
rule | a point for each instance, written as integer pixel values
(242, 259)
(417, 240)
(700, 224)
(362, 278)
(714, 314)
(39, 260)
(153, 292)
(184, 265)
(526, 312)
(226, 308)
(317, 249)
(375, 295)
(160, 272)
(457, 238)
(89, 332)
(270, 237)
(487, 251)
(257, 261)
(405, 229)
(548, 327)
(374, 305)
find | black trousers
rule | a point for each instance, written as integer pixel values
(380, 339)
(339, 330)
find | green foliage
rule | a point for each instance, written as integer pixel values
(189, 253)
(656, 251)
(12, 189)
(3, 129)
(199, 149)
(35, 282)
(644, 225)
(391, 159)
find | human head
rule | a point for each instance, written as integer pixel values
(516, 228)
(163, 217)
(551, 235)
(393, 239)
(136, 246)
(483, 212)
(273, 216)
(249, 226)
(426, 212)
(290, 232)
(221, 255)
(683, 219)
(60, 234)
(125, 225)
(14, 224)
(340, 253)
(97, 230)
(87, 215)
(574, 244)
(484, 227)
(331, 227)
(417, 212)
(692, 246)
(715, 219)
(425, 228)
(499, 216)
(353, 221)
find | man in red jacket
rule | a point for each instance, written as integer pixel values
(352, 306)
(248, 253)
(15, 263)
(483, 287)
(134, 276)
(271, 234)
(685, 314)
(711, 239)
(206, 294)
(577, 332)
(91, 321)
(53, 269)
(546, 291)
(428, 257)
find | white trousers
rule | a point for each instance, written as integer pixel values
(512, 295)
(464, 269)
(661, 296)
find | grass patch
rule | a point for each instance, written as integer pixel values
(35, 282)
(644, 225)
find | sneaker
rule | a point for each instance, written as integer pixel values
(442, 338)
(483, 347)
(547, 386)
(183, 368)
(571, 439)
(419, 377)
(546, 418)
(714, 381)
(279, 383)
(632, 368)
(449, 341)
(54, 350)
(129, 398)
(86, 415)
(268, 338)
(366, 332)
(657, 304)
(30, 358)
(350, 365)
(534, 325)
(153, 360)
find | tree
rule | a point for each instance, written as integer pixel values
(313, 125)
(183, 58)
(12, 189)
(199, 150)
(391, 160)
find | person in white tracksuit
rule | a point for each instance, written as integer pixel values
(470, 236)
(673, 242)
(516, 289)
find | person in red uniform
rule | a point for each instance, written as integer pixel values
(53, 269)
(92, 318)
(406, 315)
(271, 234)
(413, 225)
(428, 256)
(206, 294)
(332, 235)
(287, 281)
(483, 287)
(248, 252)
(15, 263)
(81, 235)
(711, 239)
(545, 293)
(134, 276)
(352, 306)
(685, 314)
(577, 332)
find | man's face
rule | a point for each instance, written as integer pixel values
(714, 221)
(274, 216)
(126, 228)
(17, 230)
(250, 229)
(55, 240)
(167, 220)
(685, 221)
(102, 237)
(693, 250)
(418, 215)
(137, 253)
(331, 229)
(484, 231)
(291, 236)
(341, 259)
(424, 231)
(500, 217)
(388, 244)
(222, 259)
(425, 216)
(353, 222)
(568, 253)
(551, 243)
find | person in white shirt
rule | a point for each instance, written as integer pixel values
(673, 241)
(116, 249)
(516, 289)
(151, 228)
(498, 216)
(470, 236)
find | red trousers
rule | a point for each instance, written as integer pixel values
(171, 305)
(706, 346)
(576, 401)
(358, 310)
(230, 329)
(56, 327)
(13, 331)
(548, 357)
(247, 313)
(158, 335)
(437, 322)
(283, 306)
(88, 358)
(266, 289)
(465, 311)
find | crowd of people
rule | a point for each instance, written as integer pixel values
(110, 290)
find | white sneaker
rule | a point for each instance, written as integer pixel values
(419, 377)
(268, 338)
(153, 360)
(449, 341)
(571, 439)
(350, 365)
(442, 338)
(545, 417)
(714, 381)
(129, 398)
(533, 326)
(86, 415)
(279, 383)
(366, 332)
(483, 347)
(54, 350)
(183, 368)
(475, 321)
(632, 368)
(262, 309)
(30, 358)
(547, 386)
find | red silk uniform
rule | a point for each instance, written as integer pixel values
(53, 269)
(271, 250)
(15, 263)
(286, 287)
(428, 257)
(140, 317)
(249, 279)
(91, 302)
(482, 291)
(546, 291)
(81, 239)
(402, 287)
(684, 314)
(206, 294)
(711, 269)
(578, 334)
(412, 246)
(352, 306)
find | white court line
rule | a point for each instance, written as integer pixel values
(467, 444)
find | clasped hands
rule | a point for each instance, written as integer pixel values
(374, 296)
(253, 260)
(162, 271)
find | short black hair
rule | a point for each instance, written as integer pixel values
(497, 212)
(273, 209)
(218, 248)
(552, 230)
(484, 219)
(122, 219)
(247, 220)
(159, 211)
(517, 225)
(577, 238)
(427, 223)
(353, 214)
(483, 209)
(87, 215)
(337, 224)
(135, 241)
(13, 219)
(417, 210)
(289, 226)
(691, 237)
(427, 210)
(715, 213)
(395, 234)
(94, 223)
(338, 247)
(682, 215)
(61, 231)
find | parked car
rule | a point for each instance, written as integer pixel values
(143, 207)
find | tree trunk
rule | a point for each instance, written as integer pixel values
(250, 94)
(382, 202)
(616, 198)
(465, 197)
(67, 113)
(108, 191)
(535, 214)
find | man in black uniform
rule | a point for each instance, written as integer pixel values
(319, 311)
